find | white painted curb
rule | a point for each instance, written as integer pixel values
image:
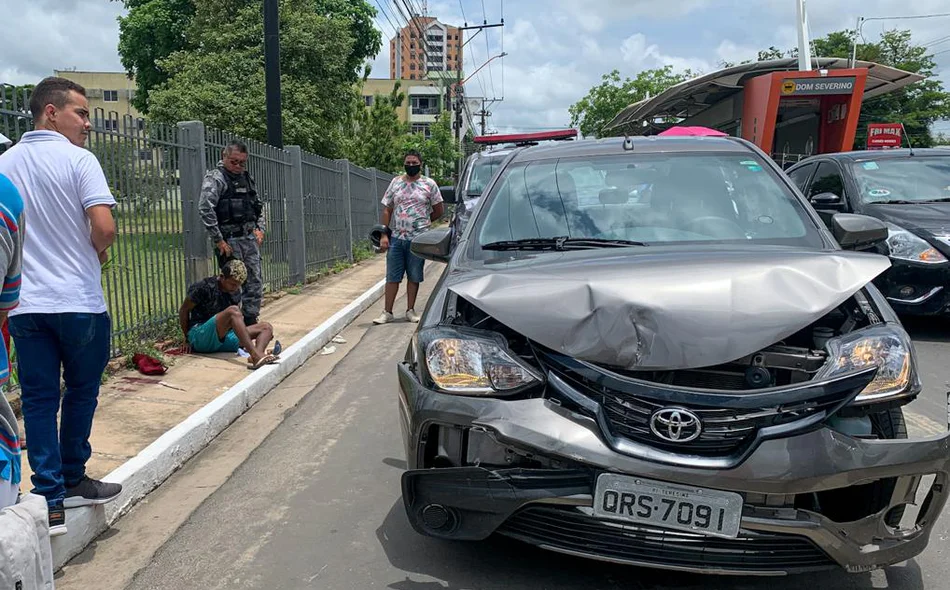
(156, 462)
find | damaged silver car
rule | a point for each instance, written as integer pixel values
(652, 351)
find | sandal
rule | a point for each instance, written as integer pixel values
(276, 350)
(267, 359)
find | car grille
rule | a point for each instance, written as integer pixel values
(725, 431)
(573, 531)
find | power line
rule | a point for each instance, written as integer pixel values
(503, 49)
(400, 39)
(938, 41)
(411, 22)
(912, 17)
(478, 75)
(464, 18)
(862, 20)
(395, 29)
(488, 50)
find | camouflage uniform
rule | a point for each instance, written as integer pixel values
(240, 236)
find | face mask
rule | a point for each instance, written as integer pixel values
(413, 170)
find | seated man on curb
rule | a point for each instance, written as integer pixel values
(212, 321)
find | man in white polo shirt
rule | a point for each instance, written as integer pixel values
(61, 322)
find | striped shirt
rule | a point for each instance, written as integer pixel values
(11, 254)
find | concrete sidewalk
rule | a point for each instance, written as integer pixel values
(135, 410)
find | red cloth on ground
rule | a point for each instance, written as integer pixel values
(148, 365)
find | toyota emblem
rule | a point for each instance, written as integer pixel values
(676, 425)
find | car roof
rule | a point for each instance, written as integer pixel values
(493, 153)
(641, 144)
(861, 155)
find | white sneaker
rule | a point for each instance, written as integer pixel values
(384, 318)
(412, 316)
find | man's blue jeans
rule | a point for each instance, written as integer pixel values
(77, 343)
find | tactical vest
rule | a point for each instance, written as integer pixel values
(239, 203)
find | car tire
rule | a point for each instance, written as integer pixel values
(889, 425)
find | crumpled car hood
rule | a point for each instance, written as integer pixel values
(668, 310)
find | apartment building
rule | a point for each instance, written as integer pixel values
(424, 49)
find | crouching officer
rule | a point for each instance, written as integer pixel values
(233, 213)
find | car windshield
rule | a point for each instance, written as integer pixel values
(482, 172)
(918, 179)
(649, 199)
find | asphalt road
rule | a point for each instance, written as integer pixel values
(317, 505)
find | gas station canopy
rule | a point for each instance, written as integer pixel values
(715, 99)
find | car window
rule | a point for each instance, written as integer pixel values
(653, 198)
(589, 182)
(800, 175)
(482, 172)
(903, 179)
(827, 180)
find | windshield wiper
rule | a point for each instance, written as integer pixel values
(896, 202)
(940, 200)
(560, 243)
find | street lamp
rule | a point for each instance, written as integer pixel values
(862, 20)
(502, 54)
(857, 34)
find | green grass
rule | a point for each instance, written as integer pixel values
(144, 281)
(362, 250)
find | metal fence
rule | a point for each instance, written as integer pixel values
(316, 211)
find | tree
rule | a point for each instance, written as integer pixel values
(612, 95)
(154, 30)
(150, 32)
(378, 132)
(359, 16)
(220, 79)
(441, 150)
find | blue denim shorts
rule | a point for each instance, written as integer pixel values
(401, 261)
(204, 338)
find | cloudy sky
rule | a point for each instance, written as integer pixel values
(557, 49)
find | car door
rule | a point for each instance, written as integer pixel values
(826, 191)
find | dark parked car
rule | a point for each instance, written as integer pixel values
(681, 368)
(910, 192)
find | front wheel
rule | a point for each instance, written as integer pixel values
(888, 425)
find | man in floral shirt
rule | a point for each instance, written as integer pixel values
(411, 203)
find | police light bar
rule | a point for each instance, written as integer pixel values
(526, 138)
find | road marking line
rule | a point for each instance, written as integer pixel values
(923, 423)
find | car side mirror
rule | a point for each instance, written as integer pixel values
(448, 193)
(858, 232)
(827, 201)
(434, 245)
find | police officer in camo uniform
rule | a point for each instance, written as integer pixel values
(233, 213)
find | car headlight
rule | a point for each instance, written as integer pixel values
(473, 362)
(888, 347)
(907, 246)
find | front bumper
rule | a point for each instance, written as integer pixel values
(926, 287)
(550, 506)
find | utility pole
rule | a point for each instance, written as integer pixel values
(275, 132)
(484, 113)
(459, 100)
(461, 83)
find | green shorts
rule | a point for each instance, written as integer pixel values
(204, 338)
